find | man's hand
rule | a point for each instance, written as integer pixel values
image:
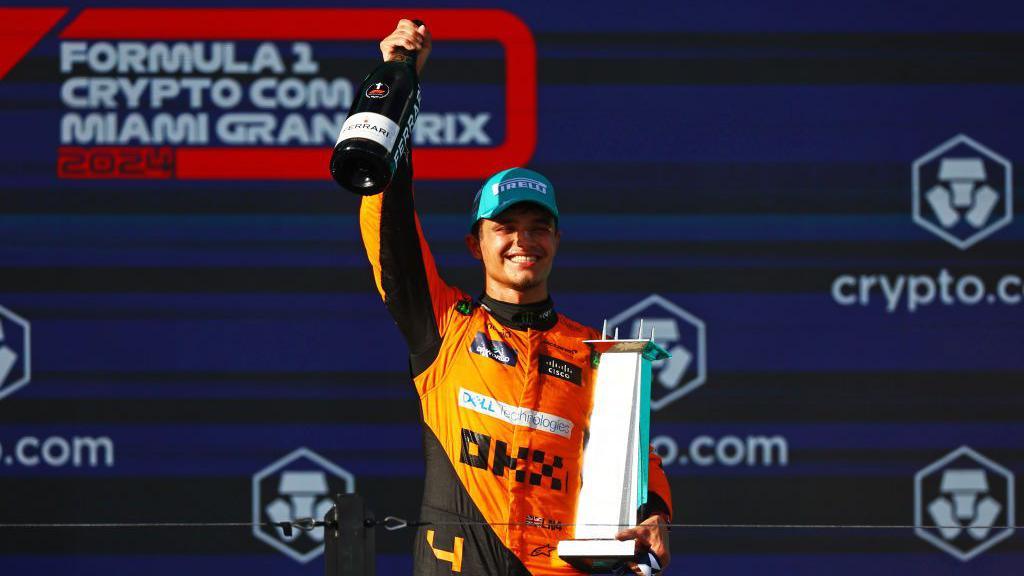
(407, 35)
(651, 534)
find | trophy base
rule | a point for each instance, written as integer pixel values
(597, 556)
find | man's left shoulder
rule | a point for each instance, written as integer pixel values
(579, 330)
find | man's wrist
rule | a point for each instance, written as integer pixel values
(662, 519)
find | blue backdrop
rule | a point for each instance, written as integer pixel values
(813, 202)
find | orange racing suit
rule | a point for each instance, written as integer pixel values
(505, 394)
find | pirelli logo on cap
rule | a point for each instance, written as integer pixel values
(514, 183)
(514, 414)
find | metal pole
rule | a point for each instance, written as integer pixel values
(349, 545)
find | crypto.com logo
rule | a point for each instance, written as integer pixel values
(305, 24)
(15, 352)
(299, 485)
(679, 332)
(962, 191)
(963, 503)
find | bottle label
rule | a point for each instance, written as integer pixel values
(376, 127)
(377, 90)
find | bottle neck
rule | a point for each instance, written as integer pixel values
(405, 57)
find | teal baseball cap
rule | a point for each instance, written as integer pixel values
(510, 187)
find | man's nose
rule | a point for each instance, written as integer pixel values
(524, 237)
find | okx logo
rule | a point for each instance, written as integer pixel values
(15, 352)
(963, 503)
(962, 191)
(679, 332)
(299, 485)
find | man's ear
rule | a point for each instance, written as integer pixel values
(473, 244)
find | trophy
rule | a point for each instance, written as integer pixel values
(615, 461)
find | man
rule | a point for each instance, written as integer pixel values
(505, 383)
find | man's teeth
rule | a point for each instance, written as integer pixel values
(521, 259)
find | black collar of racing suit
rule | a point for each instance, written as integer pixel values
(538, 315)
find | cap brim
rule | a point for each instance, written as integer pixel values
(503, 207)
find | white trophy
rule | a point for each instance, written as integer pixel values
(615, 457)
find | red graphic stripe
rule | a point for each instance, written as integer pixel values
(287, 23)
(21, 29)
(284, 163)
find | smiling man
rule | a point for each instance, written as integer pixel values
(505, 383)
(515, 234)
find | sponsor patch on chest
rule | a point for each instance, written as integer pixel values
(525, 465)
(560, 369)
(494, 349)
(514, 414)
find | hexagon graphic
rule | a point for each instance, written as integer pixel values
(963, 503)
(679, 332)
(15, 352)
(962, 191)
(299, 485)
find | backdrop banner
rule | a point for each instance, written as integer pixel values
(827, 245)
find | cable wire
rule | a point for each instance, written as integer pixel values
(392, 523)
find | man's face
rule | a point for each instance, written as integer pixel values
(517, 247)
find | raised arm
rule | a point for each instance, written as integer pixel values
(403, 267)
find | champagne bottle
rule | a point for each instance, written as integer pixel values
(376, 135)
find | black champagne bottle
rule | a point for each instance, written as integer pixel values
(376, 135)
